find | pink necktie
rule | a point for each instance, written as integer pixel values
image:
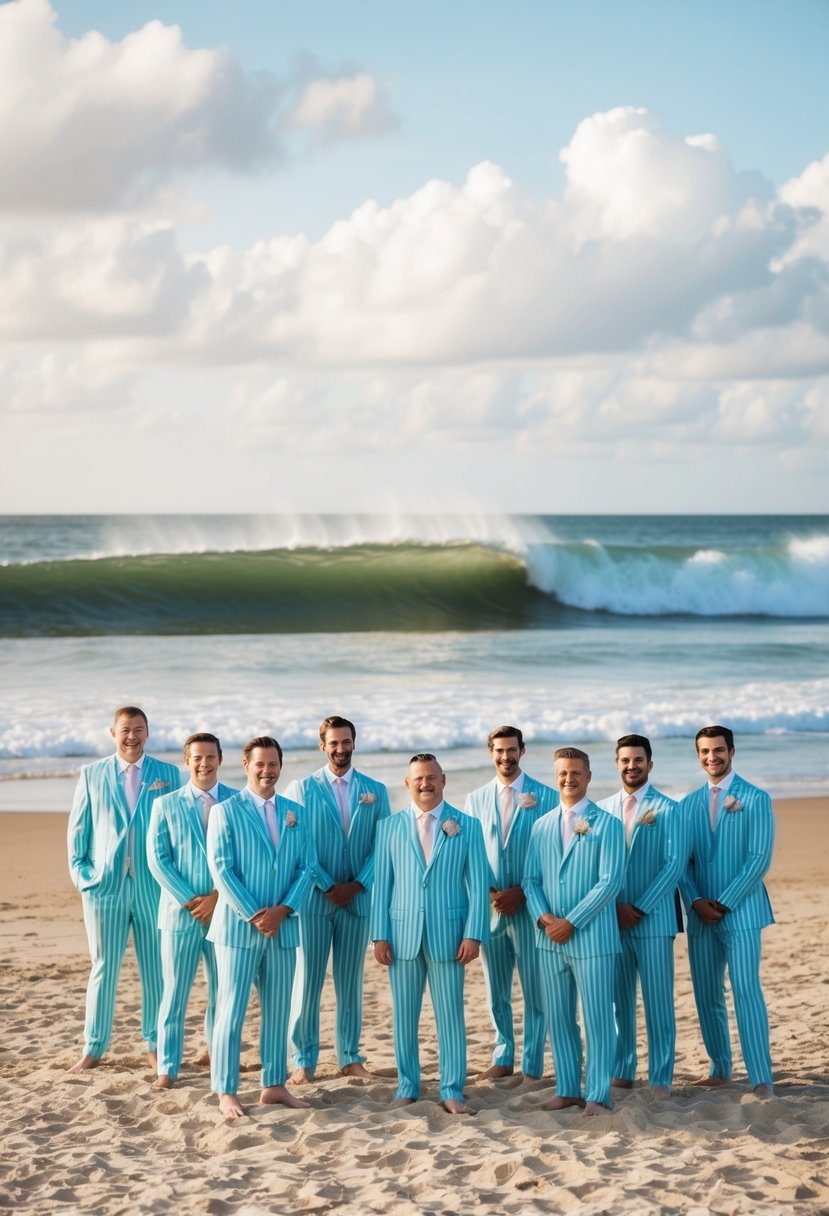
(713, 805)
(207, 801)
(629, 813)
(270, 820)
(424, 829)
(505, 799)
(566, 827)
(342, 798)
(132, 785)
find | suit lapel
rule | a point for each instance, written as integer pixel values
(329, 798)
(414, 838)
(194, 812)
(117, 795)
(252, 810)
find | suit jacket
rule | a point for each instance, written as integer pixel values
(579, 884)
(728, 864)
(434, 906)
(341, 858)
(177, 855)
(654, 860)
(99, 827)
(251, 875)
(507, 859)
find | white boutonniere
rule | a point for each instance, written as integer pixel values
(367, 799)
(158, 784)
(290, 819)
(648, 817)
(451, 827)
(732, 804)
(528, 800)
(581, 828)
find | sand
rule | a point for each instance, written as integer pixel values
(107, 1142)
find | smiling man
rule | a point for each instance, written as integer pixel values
(730, 827)
(507, 807)
(429, 915)
(343, 809)
(177, 856)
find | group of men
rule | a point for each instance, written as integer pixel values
(579, 897)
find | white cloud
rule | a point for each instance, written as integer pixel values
(342, 107)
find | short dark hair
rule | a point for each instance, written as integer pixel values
(714, 732)
(424, 758)
(635, 741)
(572, 753)
(130, 711)
(261, 741)
(335, 722)
(505, 732)
(201, 736)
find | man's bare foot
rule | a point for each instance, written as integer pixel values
(621, 1083)
(203, 1061)
(763, 1091)
(357, 1072)
(398, 1102)
(713, 1082)
(164, 1081)
(85, 1063)
(495, 1072)
(153, 1058)
(595, 1108)
(302, 1076)
(454, 1107)
(229, 1106)
(277, 1095)
(559, 1103)
(660, 1091)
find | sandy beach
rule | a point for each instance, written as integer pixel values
(107, 1142)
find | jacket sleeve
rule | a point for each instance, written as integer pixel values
(365, 877)
(221, 858)
(160, 856)
(382, 885)
(79, 836)
(533, 877)
(759, 853)
(674, 850)
(304, 874)
(477, 884)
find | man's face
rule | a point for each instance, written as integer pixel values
(572, 779)
(262, 767)
(634, 767)
(715, 756)
(130, 735)
(202, 762)
(425, 781)
(338, 746)
(506, 756)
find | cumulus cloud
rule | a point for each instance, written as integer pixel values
(342, 107)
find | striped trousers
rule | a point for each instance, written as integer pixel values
(651, 961)
(346, 936)
(500, 959)
(408, 981)
(564, 982)
(271, 969)
(180, 954)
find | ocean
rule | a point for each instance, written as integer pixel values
(427, 631)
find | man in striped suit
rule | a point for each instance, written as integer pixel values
(429, 915)
(507, 807)
(645, 910)
(730, 826)
(177, 856)
(342, 811)
(261, 860)
(108, 863)
(573, 875)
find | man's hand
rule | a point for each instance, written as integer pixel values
(556, 927)
(708, 910)
(342, 892)
(201, 907)
(269, 919)
(468, 950)
(508, 901)
(628, 916)
(382, 952)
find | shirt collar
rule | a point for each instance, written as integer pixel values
(724, 784)
(436, 813)
(517, 785)
(197, 793)
(578, 809)
(123, 764)
(258, 802)
(332, 777)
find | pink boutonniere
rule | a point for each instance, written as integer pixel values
(451, 827)
(158, 784)
(528, 800)
(648, 817)
(732, 804)
(367, 799)
(290, 819)
(581, 828)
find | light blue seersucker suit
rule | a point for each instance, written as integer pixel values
(325, 928)
(425, 912)
(512, 938)
(177, 856)
(250, 875)
(117, 896)
(728, 865)
(654, 860)
(579, 885)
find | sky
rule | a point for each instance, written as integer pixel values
(564, 257)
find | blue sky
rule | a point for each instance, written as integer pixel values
(537, 256)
